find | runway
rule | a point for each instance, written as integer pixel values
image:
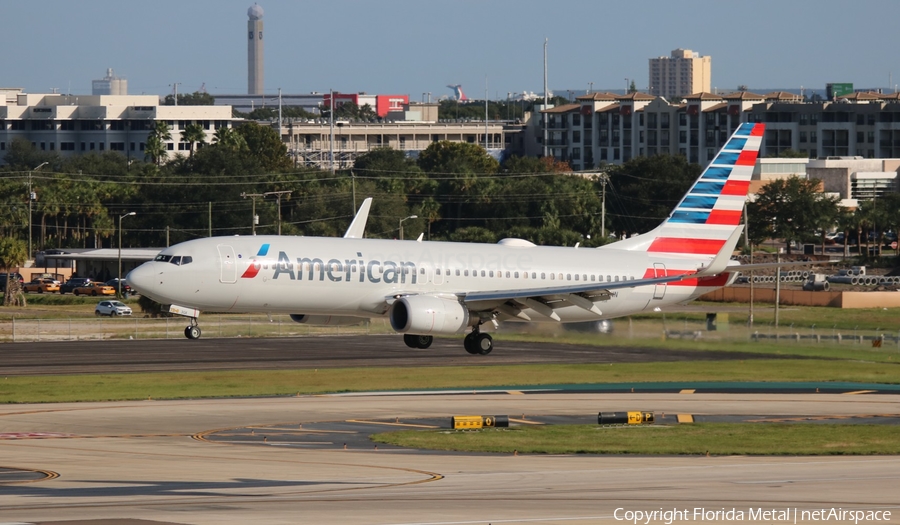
(147, 460)
(268, 460)
(36, 358)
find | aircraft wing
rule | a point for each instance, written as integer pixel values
(544, 299)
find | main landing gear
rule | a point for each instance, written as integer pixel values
(418, 341)
(192, 331)
(478, 343)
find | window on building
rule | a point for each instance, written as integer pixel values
(802, 136)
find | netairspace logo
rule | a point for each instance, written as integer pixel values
(787, 515)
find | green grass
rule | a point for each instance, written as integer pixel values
(241, 383)
(700, 438)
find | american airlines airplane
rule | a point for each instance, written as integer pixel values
(428, 288)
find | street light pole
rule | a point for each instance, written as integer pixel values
(119, 280)
(31, 197)
(401, 224)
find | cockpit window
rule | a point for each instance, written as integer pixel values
(176, 260)
(187, 259)
(163, 258)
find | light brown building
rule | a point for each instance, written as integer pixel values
(683, 73)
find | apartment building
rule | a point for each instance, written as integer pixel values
(682, 73)
(77, 124)
(607, 128)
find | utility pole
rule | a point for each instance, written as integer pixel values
(546, 99)
(279, 112)
(254, 218)
(278, 195)
(603, 179)
(210, 219)
(31, 199)
(175, 89)
(119, 280)
(331, 125)
(750, 251)
(353, 188)
(485, 113)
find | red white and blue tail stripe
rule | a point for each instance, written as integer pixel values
(708, 215)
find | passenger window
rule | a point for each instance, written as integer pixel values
(568, 276)
(491, 273)
(534, 275)
(421, 271)
(466, 273)
(576, 277)
(617, 278)
(584, 277)
(592, 277)
(507, 275)
(482, 273)
(543, 275)
(457, 273)
(176, 260)
(516, 275)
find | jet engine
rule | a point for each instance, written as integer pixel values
(326, 320)
(428, 314)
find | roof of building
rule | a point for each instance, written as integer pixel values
(565, 108)
(703, 95)
(598, 96)
(744, 95)
(637, 95)
(611, 107)
(783, 96)
(858, 96)
(716, 107)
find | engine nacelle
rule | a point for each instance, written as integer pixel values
(427, 314)
(326, 320)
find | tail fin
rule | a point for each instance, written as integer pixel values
(708, 215)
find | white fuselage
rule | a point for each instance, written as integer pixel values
(355, 277)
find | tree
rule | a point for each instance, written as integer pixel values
(190, 99)
(193, 133)
(229, 138)
(156, 148)
(445, 157)
(643, 191)
(265, 146)
(13, 253)
(791, 209)
(632, 88)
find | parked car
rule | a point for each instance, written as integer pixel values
(70, 285)
(11, 277)
(114, 282)
(41, 285)
(112, 308)
(94, 289)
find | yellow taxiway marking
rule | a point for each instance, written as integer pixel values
(687, 391)
(390, 424)
(860, 392)
(685, 418)
(525, 421)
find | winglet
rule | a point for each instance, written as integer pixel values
(358, 227)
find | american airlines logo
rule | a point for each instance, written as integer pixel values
(334, 270)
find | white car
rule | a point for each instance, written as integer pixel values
(112, 308)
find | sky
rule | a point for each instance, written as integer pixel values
(417, 46)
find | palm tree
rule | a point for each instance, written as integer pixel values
(156, 148)
(193, 133)
(229, 138)
(13, 253)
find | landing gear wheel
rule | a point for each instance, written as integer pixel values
(483, 344)
(418, 341)
(192, 332)
(469, 343)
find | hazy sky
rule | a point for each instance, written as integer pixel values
(412, 47)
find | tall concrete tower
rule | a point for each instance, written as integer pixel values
(255, 50)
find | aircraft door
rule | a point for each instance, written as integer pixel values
(438, 276)
(228, 262)
(659, 290)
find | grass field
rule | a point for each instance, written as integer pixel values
(699, 438)
(242, 383)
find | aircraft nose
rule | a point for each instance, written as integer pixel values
(141, 278)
